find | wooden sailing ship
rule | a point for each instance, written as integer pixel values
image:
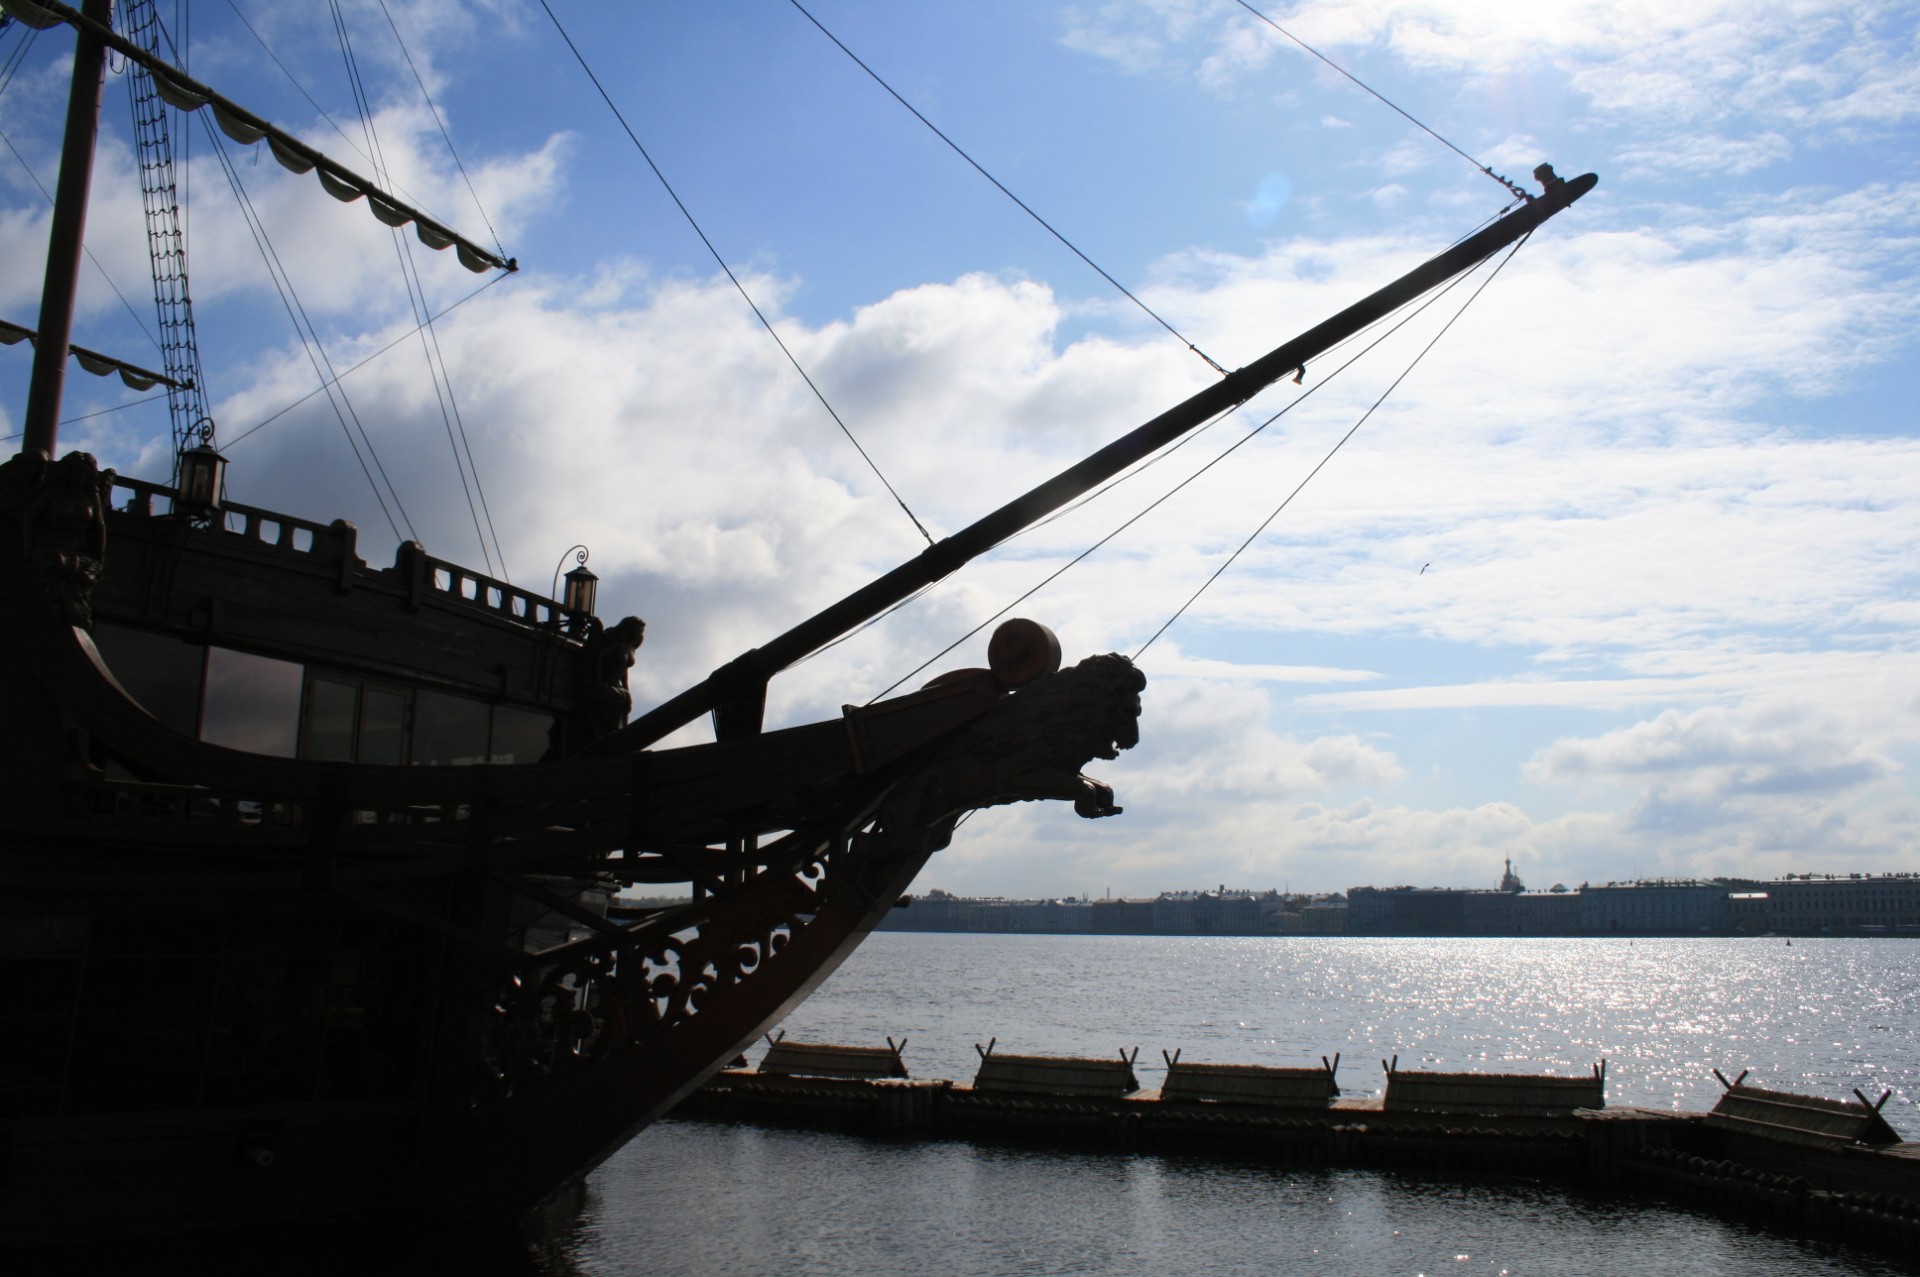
(297, 975)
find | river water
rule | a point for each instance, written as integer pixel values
(1820, 1016)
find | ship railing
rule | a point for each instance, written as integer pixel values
(336, 544)
(477, 589)
(268, 529)
(572, 830)
(122, 799)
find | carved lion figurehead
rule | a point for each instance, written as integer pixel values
(1087, 711)
(1029, 746)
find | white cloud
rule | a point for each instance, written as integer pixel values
(1648, 523)
(1710, 754)
(1684, 72)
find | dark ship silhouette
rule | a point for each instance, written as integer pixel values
(251, 989)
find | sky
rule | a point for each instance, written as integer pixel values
(1617, 582)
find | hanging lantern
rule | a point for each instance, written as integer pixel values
(583, 589)
(203, 477)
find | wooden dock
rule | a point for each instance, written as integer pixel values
(1805, 1162)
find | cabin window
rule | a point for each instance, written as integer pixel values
(519, 735)
(348, 720)
(252, 703)
(279, 708)
(383, 726)
(449, 730)
(333, 711)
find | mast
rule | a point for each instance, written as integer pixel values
(737, 690)
(42, 425)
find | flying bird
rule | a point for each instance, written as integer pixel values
(1423, 568)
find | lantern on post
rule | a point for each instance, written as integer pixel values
(582, 593)
(203, 477)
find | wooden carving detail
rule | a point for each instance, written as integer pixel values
(609, 658)
(60, 509)
(1031, 745)
(597, 999)
(609, 998)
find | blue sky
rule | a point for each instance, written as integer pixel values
(1661, 476)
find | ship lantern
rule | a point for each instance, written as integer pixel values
(203, 477)
(583, 589)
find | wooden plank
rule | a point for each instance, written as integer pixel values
(1054, 1075)
(1263, 1085)
(824, 1059)
(1809, 1120)
(1493, 1094)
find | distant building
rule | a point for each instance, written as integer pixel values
(1857, 903)
(1654, 908)
(1546, 913)
(1324, 917)
(1214, 913)
(1487, 913)
(1370, 910)
(1126, 916)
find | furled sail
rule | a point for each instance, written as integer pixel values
(132, 375)
(187, 94)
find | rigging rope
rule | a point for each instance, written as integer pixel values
(460, 422)
(417, 301)
(19, 53)
(127, 305)
(88, 416)
(1408, 318)
(14, 60)
(738, 286)
(303, 326)
(1167, 453)
(998, 185)
(264, 422)
(166, 228)
(331, 122)
(309, 338)
(442, 126)
(1510, 185)
(1341, 443)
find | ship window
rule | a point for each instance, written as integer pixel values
(348, 721)
(383, 726)
(161, 673)
(449, 730)
(252, 703)
(352, 722)
(519, 735)
(331, 711)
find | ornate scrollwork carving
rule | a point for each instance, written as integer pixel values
(602, 1001)
(609, 998)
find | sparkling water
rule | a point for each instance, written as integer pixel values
(1819, 1016)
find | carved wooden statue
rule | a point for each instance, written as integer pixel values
(61, 509)
(609, 658)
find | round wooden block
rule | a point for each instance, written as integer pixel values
(1021, 651)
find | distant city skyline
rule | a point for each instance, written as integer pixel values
(1886, 906)
(1302, 893)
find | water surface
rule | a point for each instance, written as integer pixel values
(1821, 1016)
